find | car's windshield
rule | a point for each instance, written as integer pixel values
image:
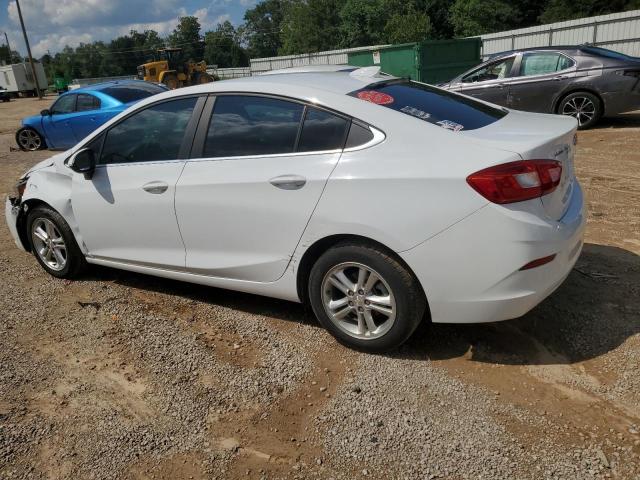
(433, 105)
(133, 92)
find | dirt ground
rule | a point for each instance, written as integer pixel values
(121, 375)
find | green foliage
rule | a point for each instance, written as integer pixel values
(262, 28)
(9, 57)
(187, 36)
(310, 26)
(558, 10)
(475, 17)
(222, 47)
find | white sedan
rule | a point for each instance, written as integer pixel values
(379, 201)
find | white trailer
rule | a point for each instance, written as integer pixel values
(18, 79)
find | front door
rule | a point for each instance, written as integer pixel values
(243, 204)
(126, 211)
(542, 77)
(57, 125)
(489, 83)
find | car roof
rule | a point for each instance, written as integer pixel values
(97, 87)
(312, 69)
(340, 82)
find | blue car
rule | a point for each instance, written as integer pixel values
(77, 113)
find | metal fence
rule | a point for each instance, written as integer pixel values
(330, 57)
(226, 73)
(617, 31)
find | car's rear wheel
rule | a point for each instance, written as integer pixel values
(53, 243)
(29, 139)
(365, 297)
(583, 106)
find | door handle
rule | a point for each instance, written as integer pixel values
(155, 187)
(288, 182)
(560, 77)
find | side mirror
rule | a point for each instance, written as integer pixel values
(45, 113)
(83, 161)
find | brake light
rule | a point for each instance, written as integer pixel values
(517, 181)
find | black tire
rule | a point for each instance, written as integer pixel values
(171, 81)
(584, 107)
(28, 139)
(75, 260)
(200, 78)
(410, 301)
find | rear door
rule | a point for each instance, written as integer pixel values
(541, 78)
(57, 125)
(258, 169)
(490, 82)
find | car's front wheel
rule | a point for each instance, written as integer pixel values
(53, 243)
(365, 297)
(29, 139)
(583, 106)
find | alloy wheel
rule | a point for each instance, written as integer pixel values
(49, 244)
(581, 108)
(29, 139)
(358, 300)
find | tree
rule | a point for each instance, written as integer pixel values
(475, 17)
(187, 36)
(373, 22)
(311, 26)
(407, 27)
(262, 28)
(559, 10)
(222, 47)
(9, 57)
(362, 23)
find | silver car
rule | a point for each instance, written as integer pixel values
(585, 82)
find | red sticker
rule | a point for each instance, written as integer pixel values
(378, 98)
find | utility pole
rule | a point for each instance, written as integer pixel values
(26, 41)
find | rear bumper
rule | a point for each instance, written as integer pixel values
(471, 271)
(11, 216)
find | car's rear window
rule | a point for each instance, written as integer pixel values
(439, 107)
(132, 93)
(604, 52)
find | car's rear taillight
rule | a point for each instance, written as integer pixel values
(517, 181)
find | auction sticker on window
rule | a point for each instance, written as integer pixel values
(449, 125)
(378, 98)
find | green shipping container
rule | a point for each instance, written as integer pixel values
(432, 61)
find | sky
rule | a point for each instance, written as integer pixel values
(52, 24)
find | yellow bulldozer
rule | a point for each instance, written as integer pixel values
(172, 71)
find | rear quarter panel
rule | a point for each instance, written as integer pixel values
(405, 189)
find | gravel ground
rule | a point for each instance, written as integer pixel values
(123, 376)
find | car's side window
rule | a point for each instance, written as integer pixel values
(65, 104)
(152, 134)
(493, 71)
(87, 102)
(358, 135)
(322, 130)
(252, 125)
(543, 63)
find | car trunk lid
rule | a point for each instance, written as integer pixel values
(537, 137)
